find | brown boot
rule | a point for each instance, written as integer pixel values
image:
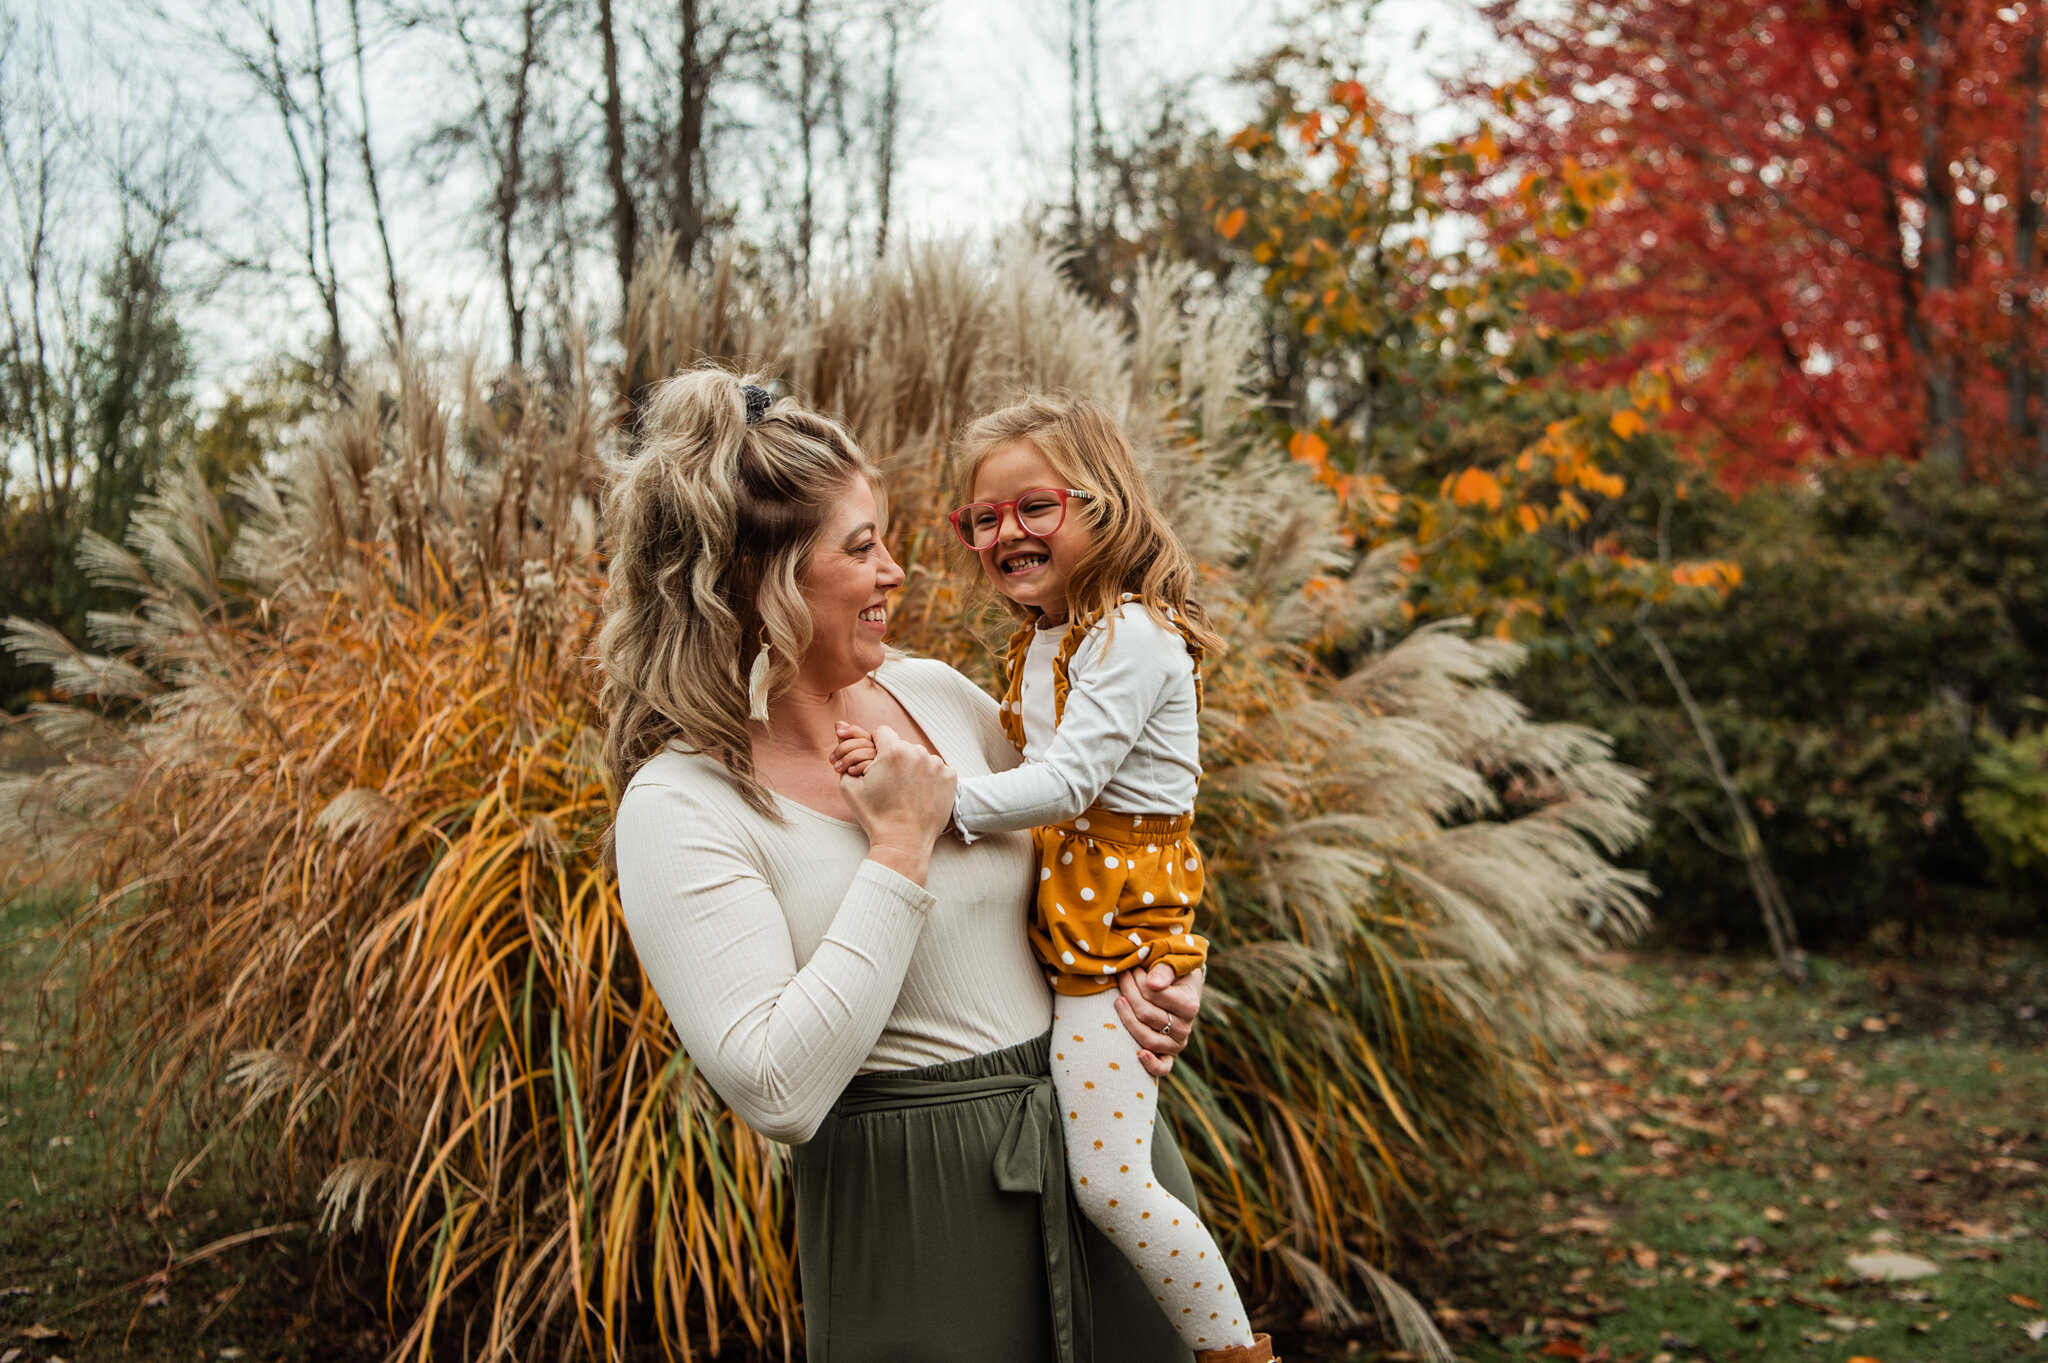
(1260, 1350)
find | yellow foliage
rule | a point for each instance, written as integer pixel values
(1310, 449)
(1477, 487)
(1720, 576)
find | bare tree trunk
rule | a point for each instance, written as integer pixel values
(807, 117)
(2021, 373)
(355, 25)
(274, 77)
(694, 73)
(511, 176)
(1098, 140)
(1938, 241)
(1074, 107)
(1763, 882)
(324, 144)
(625, 218)
(885, 152)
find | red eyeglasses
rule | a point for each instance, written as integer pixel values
(1040, 512)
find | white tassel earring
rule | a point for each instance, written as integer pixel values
(757, 685)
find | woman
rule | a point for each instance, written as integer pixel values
(848, 979)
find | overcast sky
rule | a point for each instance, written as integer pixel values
(995, 85)
(987, 136)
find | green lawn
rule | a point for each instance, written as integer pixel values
(1751, 1138)
(97, 1261)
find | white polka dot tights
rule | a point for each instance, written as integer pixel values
(1107, 1107)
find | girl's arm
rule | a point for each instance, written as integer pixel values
(1116, 684)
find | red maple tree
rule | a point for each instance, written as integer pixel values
(1829, 236)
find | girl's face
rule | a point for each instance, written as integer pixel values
(847, 583)
(1031, 570)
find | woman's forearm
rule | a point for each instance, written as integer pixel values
(776, 1041)
(781, 1059)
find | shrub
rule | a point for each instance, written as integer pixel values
(2008, 803)
(349, 843)
(1886, 617)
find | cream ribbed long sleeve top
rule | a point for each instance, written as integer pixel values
(789, 963)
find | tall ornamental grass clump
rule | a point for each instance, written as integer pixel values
(339, 796)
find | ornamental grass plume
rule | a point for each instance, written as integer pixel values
(339, 799)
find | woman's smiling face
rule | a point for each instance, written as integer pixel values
(1031, 570)
(847, 584)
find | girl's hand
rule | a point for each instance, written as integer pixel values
(856, 751)
(903, 803)
(1159, 1011)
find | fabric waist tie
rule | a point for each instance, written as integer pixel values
(1031, 1158)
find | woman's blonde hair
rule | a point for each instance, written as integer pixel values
(711, 522)
(1133, 549)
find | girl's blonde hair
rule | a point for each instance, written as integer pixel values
(711, 522)
(1133, 548)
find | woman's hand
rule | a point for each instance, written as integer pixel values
(1159, 1011)
(902, 803)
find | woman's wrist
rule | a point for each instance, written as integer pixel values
(911, 860)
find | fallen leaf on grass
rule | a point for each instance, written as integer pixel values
(12, 1355)
(39, 1331)
(1644, 1256)
(2037, 1330)
(1775, 1215)
(1584, 1225)
(2024, 1301)
(1892, 1267)
(1564, 1348)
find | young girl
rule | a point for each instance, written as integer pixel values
(1103, 689)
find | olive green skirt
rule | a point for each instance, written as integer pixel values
(935, 1225)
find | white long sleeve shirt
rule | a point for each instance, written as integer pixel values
(789, 963)
(1130, 739)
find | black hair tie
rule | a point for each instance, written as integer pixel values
(757, 403)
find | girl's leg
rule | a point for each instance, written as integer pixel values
(1109, 1103)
